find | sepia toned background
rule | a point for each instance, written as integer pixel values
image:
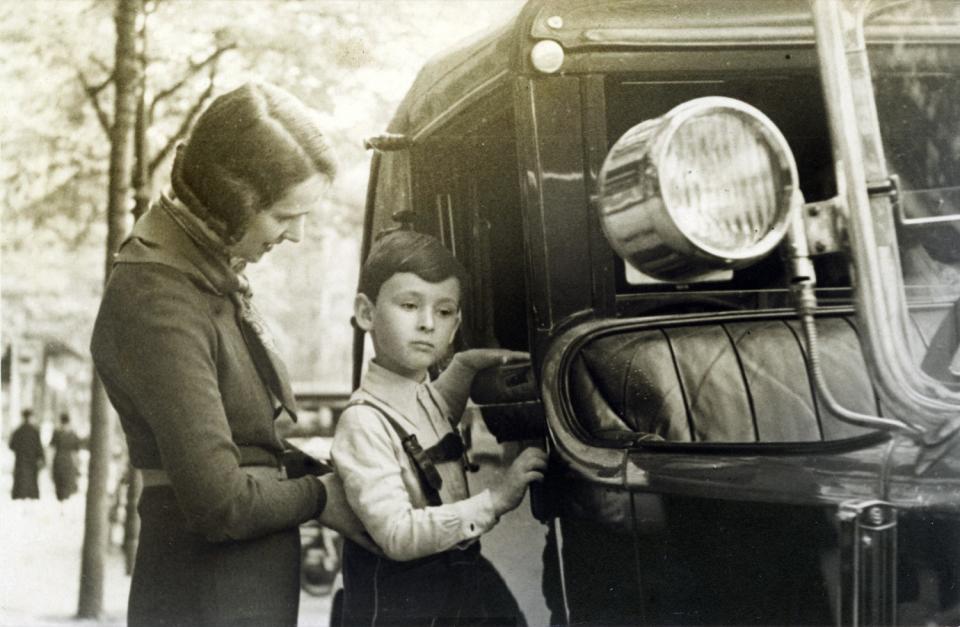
(351, 60)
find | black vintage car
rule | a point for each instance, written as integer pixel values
(727, 232)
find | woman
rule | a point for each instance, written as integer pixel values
(28, 458)
(65, 445)
(190, 370)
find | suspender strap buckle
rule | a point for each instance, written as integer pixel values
(422, 460)
(427, 472)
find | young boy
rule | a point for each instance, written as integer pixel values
(401, 459)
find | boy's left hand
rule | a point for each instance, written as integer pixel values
(480, 358)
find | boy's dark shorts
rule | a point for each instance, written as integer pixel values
(451, 588)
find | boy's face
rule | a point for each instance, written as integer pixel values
(412, 323)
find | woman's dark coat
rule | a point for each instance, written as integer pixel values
(65, 444)
(219, 546)
(28, 459)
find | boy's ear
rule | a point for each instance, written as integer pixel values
(363, 312)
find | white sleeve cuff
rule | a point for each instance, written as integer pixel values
(476, 515)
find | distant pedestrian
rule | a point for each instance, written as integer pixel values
(65, 444)
(28, 458)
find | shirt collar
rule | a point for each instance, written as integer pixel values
(395, 390)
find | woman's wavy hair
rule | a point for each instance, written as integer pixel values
(245, 152)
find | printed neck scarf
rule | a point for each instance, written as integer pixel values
(255, 332)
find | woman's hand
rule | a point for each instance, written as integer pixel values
(479, 358)
(338, 516)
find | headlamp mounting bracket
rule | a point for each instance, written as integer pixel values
(825, 223)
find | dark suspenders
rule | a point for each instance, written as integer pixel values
(423, 460)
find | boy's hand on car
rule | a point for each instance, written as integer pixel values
(527, 467)
(338, 515)
(480, 358)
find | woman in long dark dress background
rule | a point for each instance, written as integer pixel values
(65, 445)
(28, 458)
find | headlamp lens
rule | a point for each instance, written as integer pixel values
(708, 186)
(721, 182)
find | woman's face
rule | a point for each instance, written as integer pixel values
(284, 220)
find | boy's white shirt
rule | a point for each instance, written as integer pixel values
(381, 482)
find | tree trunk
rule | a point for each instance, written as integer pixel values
(95, 534)
(131, 520)
(142, 187)
(142, 192)
(95, 528)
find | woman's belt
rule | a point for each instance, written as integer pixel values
(153, 477)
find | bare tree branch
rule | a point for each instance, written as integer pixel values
(103, 66)
(96, 89)
(93, 93)
(86, 226)
(187, 122)
(194, 69)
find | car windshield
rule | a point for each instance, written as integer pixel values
(915, 70)
(914, 52)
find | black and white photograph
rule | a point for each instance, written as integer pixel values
(333, 313)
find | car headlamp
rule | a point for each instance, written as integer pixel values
(708, 186)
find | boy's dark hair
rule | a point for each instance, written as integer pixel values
(408, 251)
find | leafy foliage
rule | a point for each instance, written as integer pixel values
(350, 59)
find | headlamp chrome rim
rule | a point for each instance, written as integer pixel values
(681, 115)
(718, 217)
